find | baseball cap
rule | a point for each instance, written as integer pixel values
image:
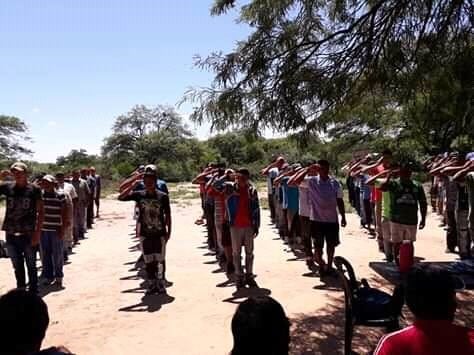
(150, 170)
(19, 166)
(49, 178)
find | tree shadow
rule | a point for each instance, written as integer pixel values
(322, 332)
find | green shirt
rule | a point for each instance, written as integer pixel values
(386, 201)
(404, 200)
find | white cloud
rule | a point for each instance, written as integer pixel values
(35, 110)
(52, 123)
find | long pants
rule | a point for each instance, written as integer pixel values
(387, 239)
(79, 221)
(271, 205)
(242, 237)
(378, 221)
(90, 213)
(52, 256)
(20, 252)
(305, 225)
(293, 225)
(464, 239)
(357, 200)
(451, 233)
(154, 254)
(210, 223)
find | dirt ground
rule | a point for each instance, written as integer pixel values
(103, 309)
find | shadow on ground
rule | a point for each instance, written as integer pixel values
(322, 332)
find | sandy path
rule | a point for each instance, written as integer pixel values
(103, 309)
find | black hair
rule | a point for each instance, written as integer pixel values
(23, 322)
(387, 152)
(323, 162)
(430, 293)
(244, 171)
(260, 326)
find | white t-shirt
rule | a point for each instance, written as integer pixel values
(272, 174)
(304, 203)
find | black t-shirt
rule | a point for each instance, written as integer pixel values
(20, 216)
(153, 209)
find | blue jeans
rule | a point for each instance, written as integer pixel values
(20, 251)
(52, 248)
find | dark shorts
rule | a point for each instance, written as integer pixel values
(152, 245)
(325, 231)
(305, 225)
(226, 239)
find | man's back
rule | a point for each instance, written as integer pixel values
(436, 337)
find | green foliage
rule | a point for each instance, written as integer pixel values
(76, 159)
(374, 71)
(13, 134)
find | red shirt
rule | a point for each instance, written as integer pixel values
(242, 219)
(428, 338)
(376, 193)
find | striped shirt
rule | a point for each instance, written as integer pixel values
(53, 205)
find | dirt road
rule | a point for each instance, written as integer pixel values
(103, 310)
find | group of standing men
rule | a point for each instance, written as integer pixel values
(385, 193)
(305, 201)
(452, 197)
(46, 214)
(232, 210)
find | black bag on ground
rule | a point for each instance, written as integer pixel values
(371, 303)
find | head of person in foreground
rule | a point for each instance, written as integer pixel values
(23, 322)
(260, 326)
(431, 293)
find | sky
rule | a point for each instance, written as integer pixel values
(68, 68)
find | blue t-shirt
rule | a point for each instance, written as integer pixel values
(365, 190)
(293, 198)
(284, 190)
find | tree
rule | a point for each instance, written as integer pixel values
(309, 63)
(76, 159)
(13, 133)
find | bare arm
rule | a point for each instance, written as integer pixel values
(296, 179)
(265, 170)
(342, 211)
(39, 222)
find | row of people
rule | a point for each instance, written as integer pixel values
(232, 210)
(452, 197)
(304, 205)
(48, 214)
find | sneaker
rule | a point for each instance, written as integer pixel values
(310, 264)
(250, 281)
(160, 287)
(59, 282)
(240, 284)
(47, 282)
(230, 269)
(152, 288)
